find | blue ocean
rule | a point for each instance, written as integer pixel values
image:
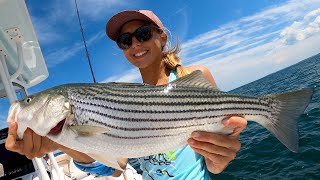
(262, 156)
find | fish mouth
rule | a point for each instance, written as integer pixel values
(58, 128)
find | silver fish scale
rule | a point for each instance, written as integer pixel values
(131, 113)
(136, 120)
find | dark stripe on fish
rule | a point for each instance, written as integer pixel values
(164, 119)
(174, 103)
(141, 137)
(92, 94)
(177, 111)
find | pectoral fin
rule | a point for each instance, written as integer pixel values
(87, 130)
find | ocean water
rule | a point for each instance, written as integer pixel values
(262, 156)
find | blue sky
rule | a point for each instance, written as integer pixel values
(238, 40)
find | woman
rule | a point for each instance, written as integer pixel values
(141, 36)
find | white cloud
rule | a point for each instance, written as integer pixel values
(44, 31)
(312, 14)
(131, 75)
(60, 55)
(60, 15)
(245, 50)
(265, 22)
(236, 53)
(300, 30)
(100, 9)
(47, 25)
(53, 25)
(242, 51)
(244, 67)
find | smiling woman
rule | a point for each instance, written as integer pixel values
(141, 36)
(238, 41)
(207, 150)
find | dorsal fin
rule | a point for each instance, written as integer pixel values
(195, 79)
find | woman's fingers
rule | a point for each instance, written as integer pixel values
(218, 150)
(212, 148)
(32, 145)
(217, 139)
(238, 123)
(11, 143)
(28, 144)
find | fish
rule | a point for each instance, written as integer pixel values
(111, 121)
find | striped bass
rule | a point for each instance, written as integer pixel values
(127, 120)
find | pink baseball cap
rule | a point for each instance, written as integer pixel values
(115, 24)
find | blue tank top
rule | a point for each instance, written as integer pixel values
(182, 163)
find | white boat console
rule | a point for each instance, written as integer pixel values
(21, 67)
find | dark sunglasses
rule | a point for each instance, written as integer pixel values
(143, 33)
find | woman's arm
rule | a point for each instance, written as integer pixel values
(218, 150)
(205, 71)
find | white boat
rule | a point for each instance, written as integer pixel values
(22, 66)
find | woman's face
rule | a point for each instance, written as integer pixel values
(143, 54)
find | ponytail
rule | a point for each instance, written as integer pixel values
(173, 62)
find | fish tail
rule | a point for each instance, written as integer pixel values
(289, 108)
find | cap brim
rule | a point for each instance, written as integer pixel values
(114, 25)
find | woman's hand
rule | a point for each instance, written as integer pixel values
(32, 145)
(219, 150)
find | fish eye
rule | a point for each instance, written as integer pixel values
(28, 100)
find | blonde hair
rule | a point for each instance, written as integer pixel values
(172, 60)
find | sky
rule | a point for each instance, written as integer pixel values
(240, 41)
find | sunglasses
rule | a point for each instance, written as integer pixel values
(143, 33)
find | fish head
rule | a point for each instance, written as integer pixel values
(41, 112)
